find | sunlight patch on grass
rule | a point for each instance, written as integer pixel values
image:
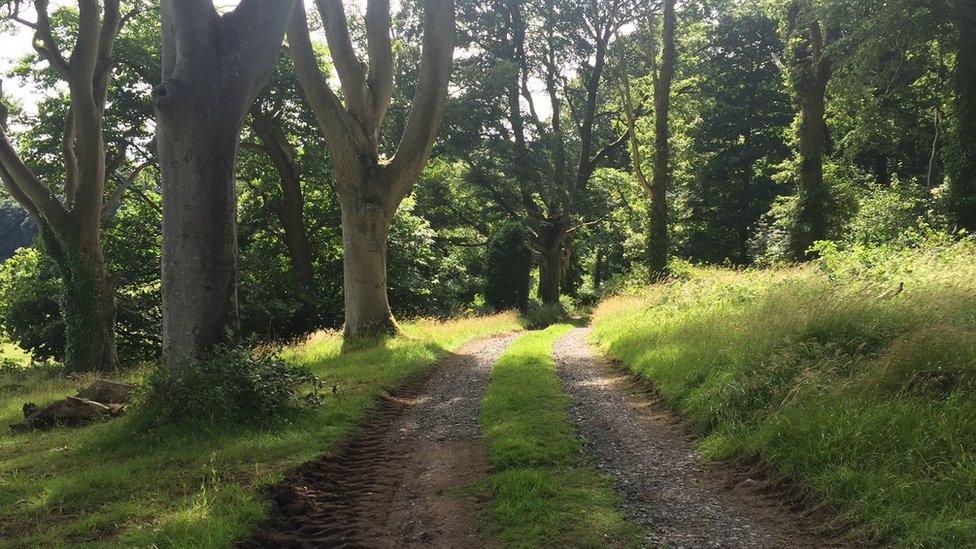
(111, 485)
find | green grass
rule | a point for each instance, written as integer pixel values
(108, 485)
(870, 400)
(542, 494)
(10, 353)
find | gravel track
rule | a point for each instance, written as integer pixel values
(396, 483)
(653, 462)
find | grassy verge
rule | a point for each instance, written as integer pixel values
(830, 374)
(111, 486)
(12, 354)
(542, 493)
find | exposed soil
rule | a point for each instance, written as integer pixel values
(650, 454)
(399, 482)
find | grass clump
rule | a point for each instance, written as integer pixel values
(856, 374)
(543, 494)
(115, 484)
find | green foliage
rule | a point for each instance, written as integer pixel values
(508, 266)
(115, 484)
(543, 495)
(856, 375)
(539, 315)
(29, 312)
(424, 279)
(776, 231)
(739, 139)
(231, 387)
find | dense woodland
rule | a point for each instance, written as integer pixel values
(729, 132)
(265, 214)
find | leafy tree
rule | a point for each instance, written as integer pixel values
(740, 139)
(508, 266)
(371, 187)
(71, 228)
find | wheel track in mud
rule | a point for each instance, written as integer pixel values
(394, 483)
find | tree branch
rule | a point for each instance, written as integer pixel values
(430, 96)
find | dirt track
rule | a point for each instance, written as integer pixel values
(398, 483)
(652, 459)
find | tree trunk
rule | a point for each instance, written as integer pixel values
(365, 231)
(291, 208)
(197, 157)
(813, 194)
(214, 65)
(964, 178)
(549, 243)
(296, 236)
(550, 261)
(88, 303)
(659, 239)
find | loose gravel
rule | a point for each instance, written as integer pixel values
(651, 457)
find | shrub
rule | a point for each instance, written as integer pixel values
(508, 267)
(29, 312)
(538, 316)
(233, 386)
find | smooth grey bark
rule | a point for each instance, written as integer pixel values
(213, 68)
(371, 188)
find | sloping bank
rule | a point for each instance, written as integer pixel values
(856, 375)
(110, 485)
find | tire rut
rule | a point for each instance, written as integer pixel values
(652, 459)
(396, 483)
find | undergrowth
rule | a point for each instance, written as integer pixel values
(116, 484)
(856, 374)
(542, 493)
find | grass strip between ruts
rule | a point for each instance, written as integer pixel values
(542, 491)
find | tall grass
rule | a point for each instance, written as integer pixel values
(830, 374)
(542, 494)
(111, 485)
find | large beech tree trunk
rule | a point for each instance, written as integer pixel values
(658, 237)
(365, 232)
(964, 175)
(213, 68)
(371, 189)
(197, 153)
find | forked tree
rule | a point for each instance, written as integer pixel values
(214, 66)
(370, 185)
(71, 224)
